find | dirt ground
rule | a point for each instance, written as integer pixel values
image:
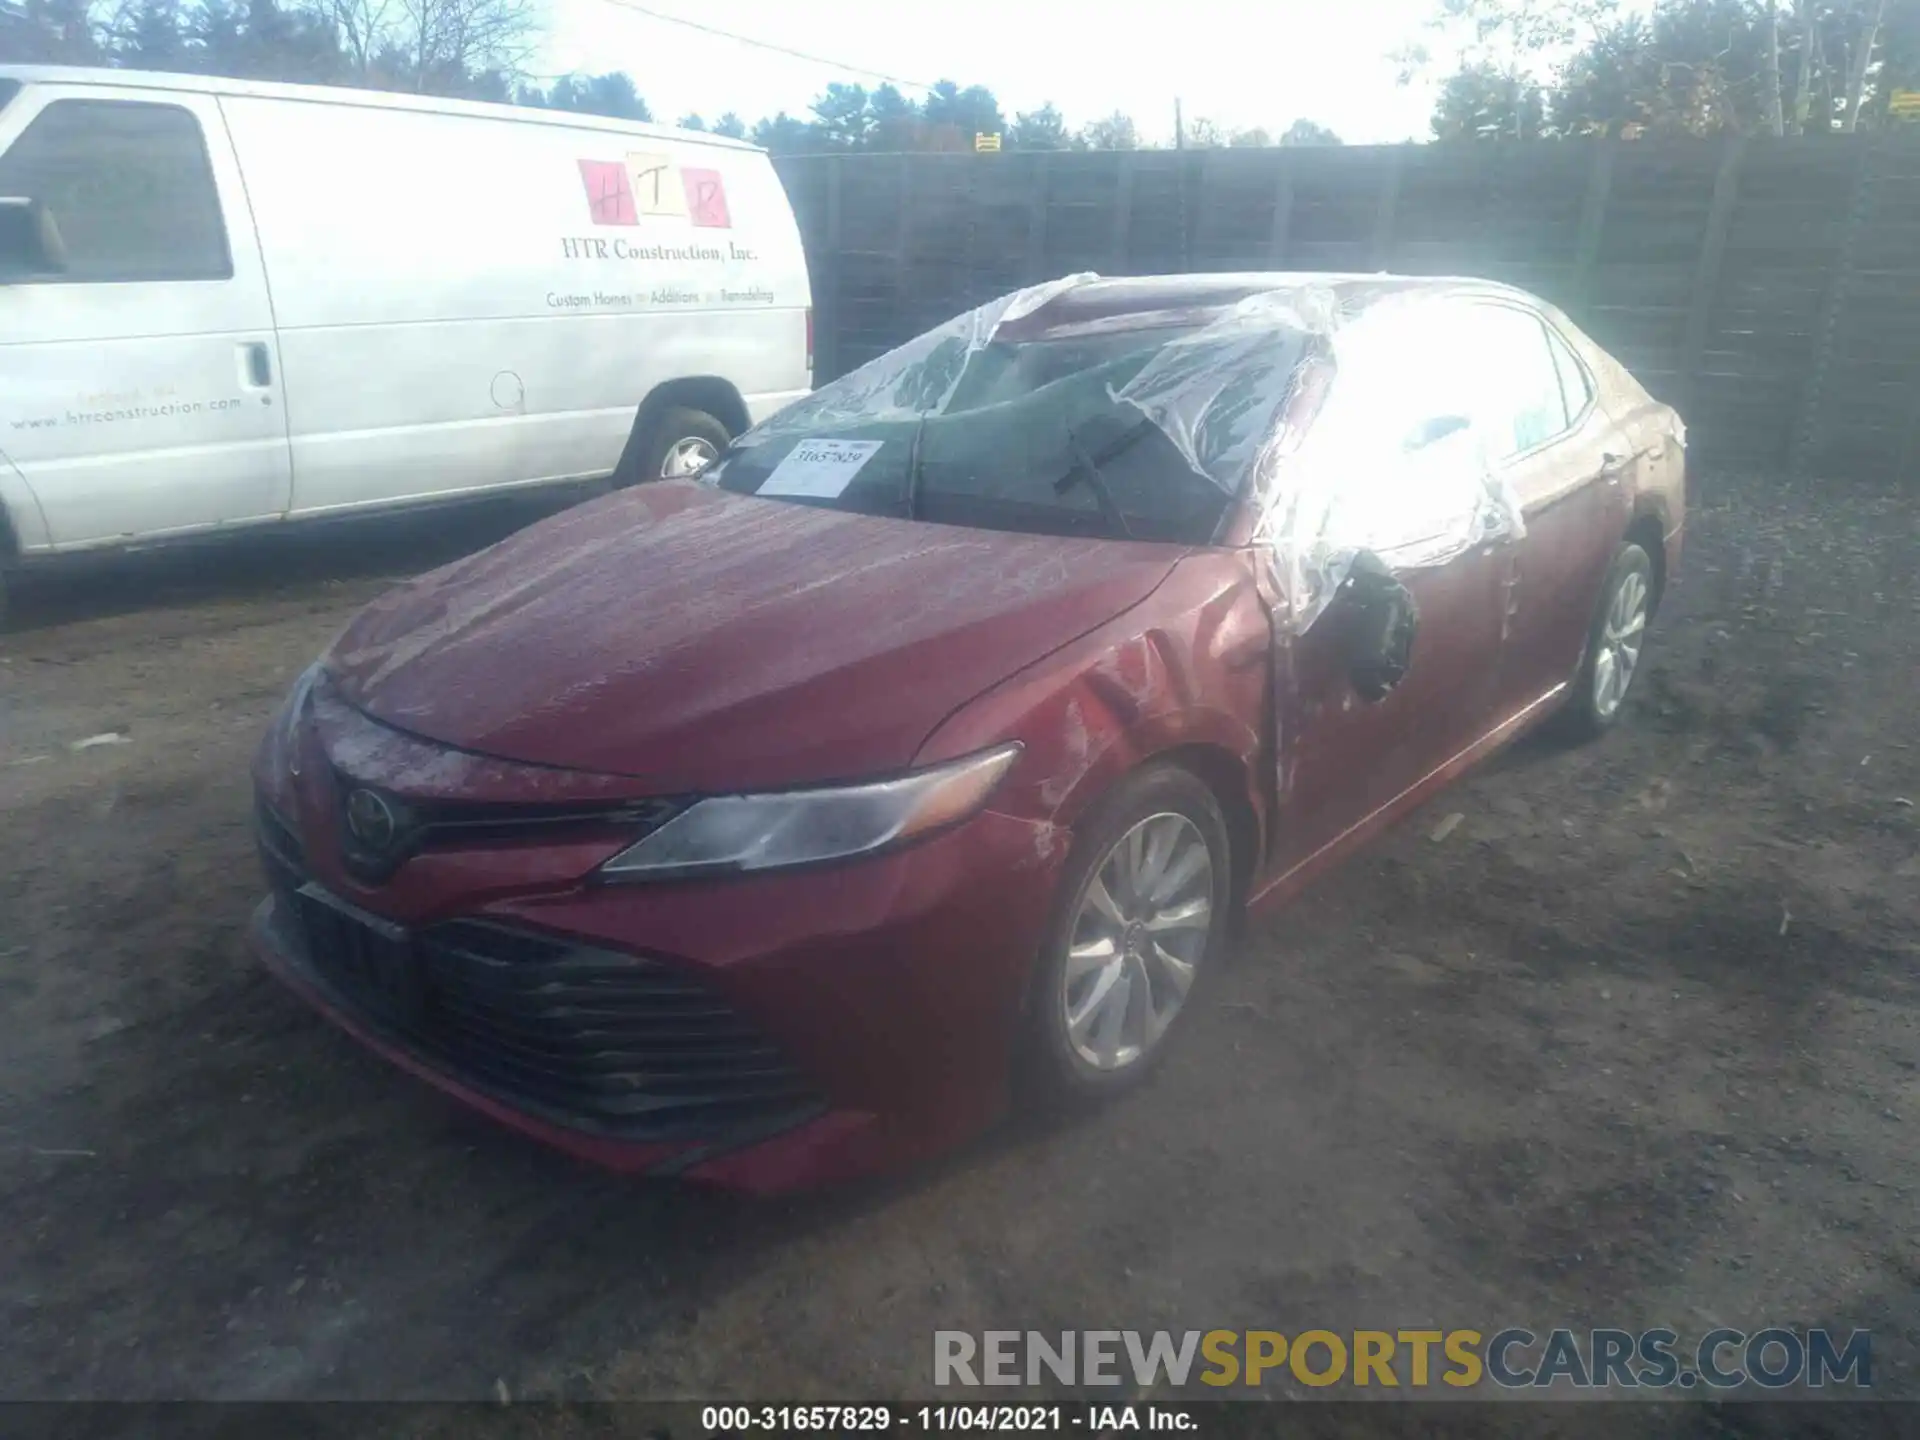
(1634, 1044)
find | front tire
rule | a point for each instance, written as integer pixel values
(678, 444)
(1616, 645)
(1142, 912)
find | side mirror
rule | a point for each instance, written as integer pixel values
(1380, 621)
(30, 243)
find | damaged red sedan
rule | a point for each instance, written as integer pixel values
(782, 825)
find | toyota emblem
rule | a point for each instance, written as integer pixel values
(370, 820)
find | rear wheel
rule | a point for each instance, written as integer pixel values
(1616, 642)
(1142, 910)
(678, 444)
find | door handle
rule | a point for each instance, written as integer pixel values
(259, 365)
(1612, 467)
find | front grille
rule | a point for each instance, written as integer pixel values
(593, 1039)
(623, 1040)
(417, 825)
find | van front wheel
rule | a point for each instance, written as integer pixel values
(678, 444)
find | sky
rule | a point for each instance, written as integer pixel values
(1239, 63)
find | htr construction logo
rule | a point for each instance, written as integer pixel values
(623, 192)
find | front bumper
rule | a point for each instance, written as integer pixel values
(891, 988)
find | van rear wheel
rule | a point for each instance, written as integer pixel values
(679, 443)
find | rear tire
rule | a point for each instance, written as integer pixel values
(1142, 913)
(678, 443)
(1616, 646)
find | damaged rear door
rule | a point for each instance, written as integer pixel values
(1565, 462)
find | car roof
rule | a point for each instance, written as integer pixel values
(364, 99)
(1195, 299)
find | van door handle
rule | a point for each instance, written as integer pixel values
(259, 365)
(1612, 467)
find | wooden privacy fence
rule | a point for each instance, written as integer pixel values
(1768, 288)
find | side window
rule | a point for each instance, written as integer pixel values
(1393, 461)
(129, 186)
(1519, 402)
(1575, 389)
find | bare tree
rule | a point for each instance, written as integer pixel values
(444, 41)
(1775, 118)
(1803, 82)
(1862, 61)
(365, 27)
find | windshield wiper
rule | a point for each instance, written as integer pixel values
(913, 467)
(1085, 467)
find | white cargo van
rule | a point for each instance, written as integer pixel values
(226, 304)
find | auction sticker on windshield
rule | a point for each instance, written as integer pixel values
(819, 469)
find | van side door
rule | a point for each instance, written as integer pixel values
(139, 380)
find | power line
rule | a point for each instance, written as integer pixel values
(769, 45)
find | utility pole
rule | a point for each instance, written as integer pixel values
(1179, 126)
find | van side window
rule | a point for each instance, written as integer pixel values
(130, 187)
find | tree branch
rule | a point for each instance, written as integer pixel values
(1862, 60)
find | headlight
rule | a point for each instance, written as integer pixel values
(296, 705)
(735, 833)
(281, 752)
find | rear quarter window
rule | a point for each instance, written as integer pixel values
(1574, 386)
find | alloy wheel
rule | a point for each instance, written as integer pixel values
(1137, 941)
(1621, 636)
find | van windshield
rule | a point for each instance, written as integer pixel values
(1035, 434)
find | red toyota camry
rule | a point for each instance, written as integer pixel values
(782, 824)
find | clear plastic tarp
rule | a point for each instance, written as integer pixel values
(1384, 456)
(911, 380)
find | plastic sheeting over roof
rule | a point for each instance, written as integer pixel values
(1322, 487)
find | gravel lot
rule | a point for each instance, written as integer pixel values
(1634, 1044)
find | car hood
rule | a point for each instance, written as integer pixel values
(705, 642)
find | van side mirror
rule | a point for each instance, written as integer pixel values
(30, 243)
(1379, 620)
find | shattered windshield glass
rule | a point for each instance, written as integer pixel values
(1141, 427)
